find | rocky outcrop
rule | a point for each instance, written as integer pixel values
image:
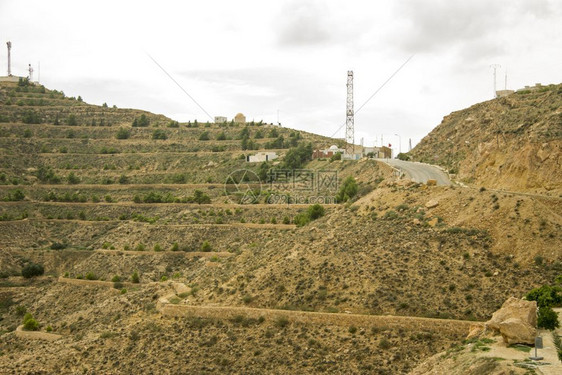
(515, 321)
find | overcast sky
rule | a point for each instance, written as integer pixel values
(260, 57)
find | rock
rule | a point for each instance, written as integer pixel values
(432, 203)
(516, 331)
(431, 182)
(514, 308)
(417, 221)
(433, 222)
(475, 330)
(516, 321)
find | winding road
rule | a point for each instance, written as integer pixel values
(419, 172)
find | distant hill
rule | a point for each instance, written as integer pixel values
(512, 143)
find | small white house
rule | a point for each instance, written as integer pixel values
(220, 119)
(260, 157)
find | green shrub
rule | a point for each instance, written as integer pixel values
(175, 247)
(385, 344)
(73, 179)
(390, 215)
(135, 277)
(21, 310)
(547, 318)
(348, 190)
(316, 211)
(159, 134)
(31, 270)
(206, 247)
(141, 121)
(91, 276)
(116, 279)
(204, 136)
(546, 296)
(30, 324)
(123, 133)
(403, 156)
(157, 247)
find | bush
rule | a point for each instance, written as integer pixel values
(157, 247)
(312, 213)
(316, 211)
(123, 133)
(348, 190)
(135, 278)
(31, 270)
(206, 247)
(403, 156)
(73, 179)
(141, 121)
(116, 279)
(71, 120)
(159, 134)
(547, 318)
(30, 324)
(546, 296)
(91, 276)
(58, 246)
(204, 136)
(200, 197)
(175, 247)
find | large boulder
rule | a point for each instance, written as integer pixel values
(516, 331)
(514, 308)
(516, 321)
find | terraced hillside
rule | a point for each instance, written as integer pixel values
(513, 143)
(152, 265)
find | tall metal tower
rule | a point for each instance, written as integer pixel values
(9, 44)
(495, 67)
(349, 117)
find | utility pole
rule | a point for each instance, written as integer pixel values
(409, 144)
(349, 117)
(495, 67)
(9, 44)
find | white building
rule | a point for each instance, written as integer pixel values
(260, 157)
(220, 119)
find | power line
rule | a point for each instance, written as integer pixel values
(377, 91)
(181, 88)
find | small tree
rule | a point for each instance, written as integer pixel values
(348, 190)
(73, 179)
(206, 247)
(159, 134)
(30, 324)
(547, 318)
(31, 270)
(123, 133)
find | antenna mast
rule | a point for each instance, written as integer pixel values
(30, 73)
(495, 67)
(349, 117)
(9, 44)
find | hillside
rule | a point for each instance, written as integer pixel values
(511, 143)
(152, 264)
